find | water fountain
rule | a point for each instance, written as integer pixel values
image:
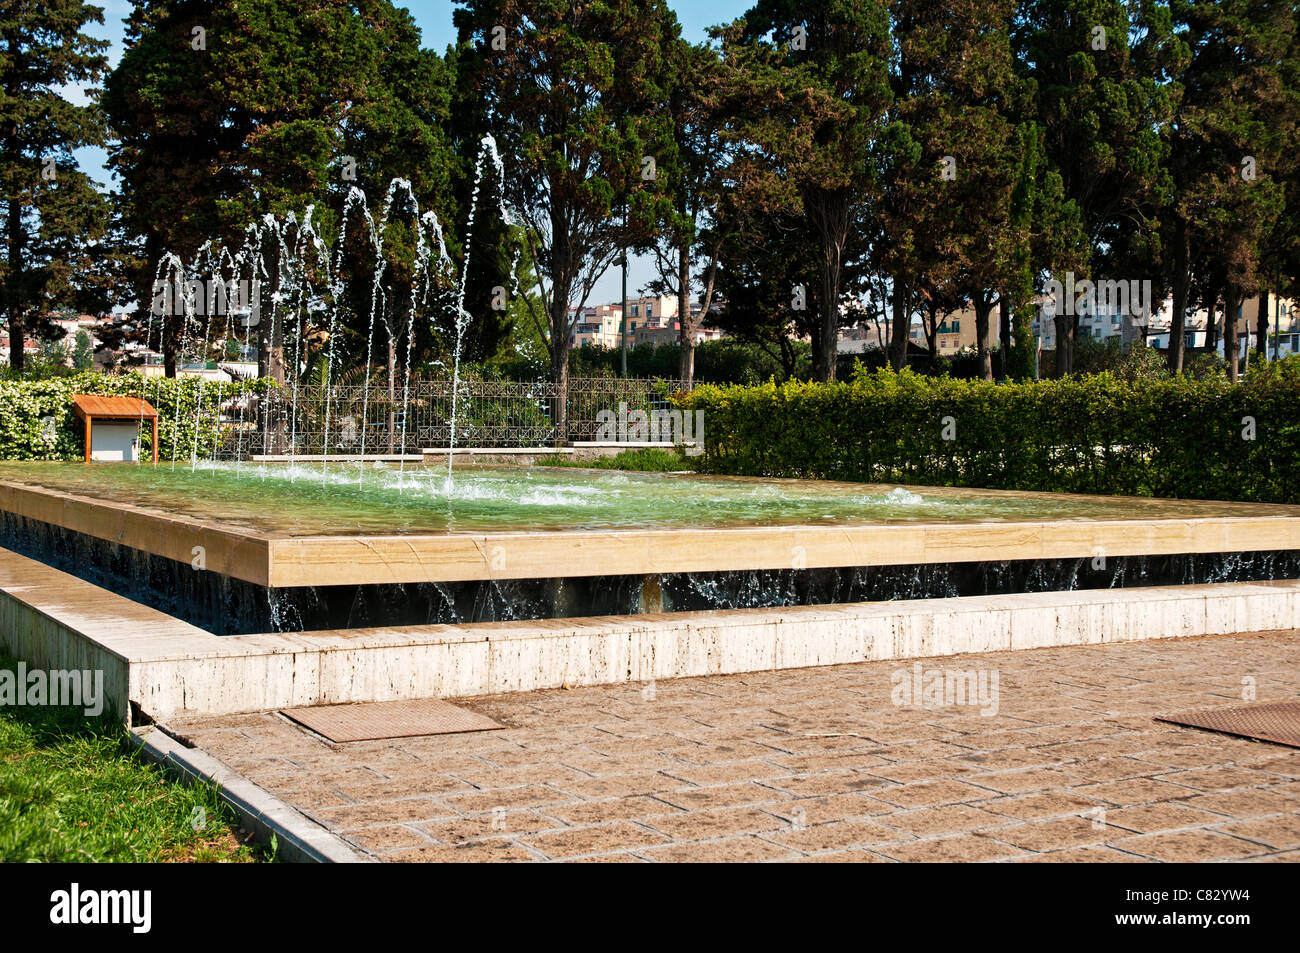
(307, 272)
(208, 591)
(274, 581)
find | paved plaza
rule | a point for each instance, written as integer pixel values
(1059, 760)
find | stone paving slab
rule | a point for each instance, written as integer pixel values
(820, 764)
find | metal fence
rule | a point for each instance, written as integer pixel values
(402, 420)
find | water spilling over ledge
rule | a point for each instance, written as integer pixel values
(227, 606)
(241, 548)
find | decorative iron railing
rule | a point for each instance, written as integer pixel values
(348, 420)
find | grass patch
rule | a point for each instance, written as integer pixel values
(73, 789)
(644, 460)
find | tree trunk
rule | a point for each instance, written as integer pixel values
(685, 324)
(17, 324)
(563, 268)
(686, 367)
(829, 216)
(1212, 326)
(392, 394)
(17, 332)
(145, 289)
(1277, 327)
(1064, 342)
(1261, 326)
(263, 343)
(275, 365)
(826, 332)
(560, 356)
(789, 360)
(170, 345)
(1004, 331)
(898, 345)
(1178, 320)
(271, 361)
(1230, 348)
(983, 310)
(275, 368)
(270, 333)
(930, 325)
(828, 342)
(1023, 343)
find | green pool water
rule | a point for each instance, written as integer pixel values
(346, 499)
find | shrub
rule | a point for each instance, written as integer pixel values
(1172, 437)
(1130, 363)
(644, 460)
(25, 405)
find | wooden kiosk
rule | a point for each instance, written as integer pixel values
(113, 425)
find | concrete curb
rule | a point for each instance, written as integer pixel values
(164, 668)
(300, 839)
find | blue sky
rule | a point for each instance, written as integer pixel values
(434, 20)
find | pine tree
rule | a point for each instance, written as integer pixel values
(51, 213)
(817, 76)
(694, 228)
(952, 195)
(1232, 131)
(1101, 74)
(227, 112)
(576, 93)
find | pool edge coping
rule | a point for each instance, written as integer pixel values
(274, 560)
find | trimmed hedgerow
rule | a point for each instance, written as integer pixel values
(1190, 439)
(26, 405)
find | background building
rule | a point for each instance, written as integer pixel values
(650, 320)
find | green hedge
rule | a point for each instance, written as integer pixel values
(1094, 434)
(26, 403)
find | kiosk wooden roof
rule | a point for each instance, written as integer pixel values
(92, 407)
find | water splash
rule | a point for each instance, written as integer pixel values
(487, 148)
(310, 289)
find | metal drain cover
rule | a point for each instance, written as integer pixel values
(1278, 722)
(371, 721)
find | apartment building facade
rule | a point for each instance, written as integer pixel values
(650, 320)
